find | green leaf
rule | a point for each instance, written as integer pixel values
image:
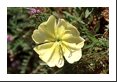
(87, 12)
(97, 26)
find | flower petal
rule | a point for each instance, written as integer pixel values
(59, 31)
(49, 53)
(45, 51)
(70, 56)
(49, 26)
(40, 36)
(57, 58)
(70, 29)
(45, 31)
(73, 42)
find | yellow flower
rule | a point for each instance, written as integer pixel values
(56, 41)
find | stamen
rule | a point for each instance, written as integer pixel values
(70, 54)
(61, 54)
(60, 61)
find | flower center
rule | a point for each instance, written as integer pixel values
(58, 39)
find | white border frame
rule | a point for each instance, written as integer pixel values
(58, 77)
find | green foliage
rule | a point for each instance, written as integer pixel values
(89, 21)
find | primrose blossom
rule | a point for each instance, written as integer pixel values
(57, 41)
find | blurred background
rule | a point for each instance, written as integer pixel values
(92, 22)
